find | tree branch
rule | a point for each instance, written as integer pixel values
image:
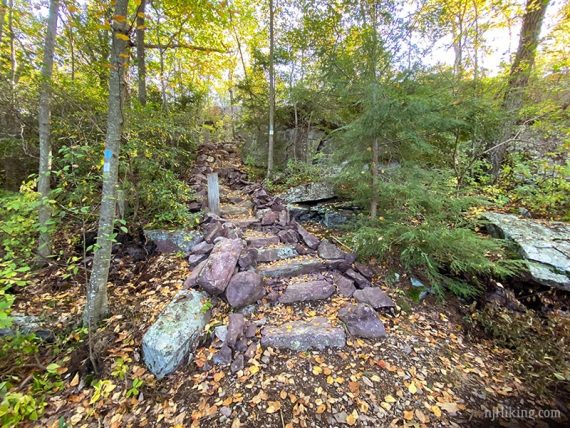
(183, 46)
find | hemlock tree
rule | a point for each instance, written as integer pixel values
(44, 245)
(97, 304)
(141, 66)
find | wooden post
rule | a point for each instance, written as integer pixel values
(213, 194)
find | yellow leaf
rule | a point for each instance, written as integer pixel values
(412, 388)
(140, 15)
(351, 419)
(389, 399)
(253, 369)
(330, 380)
(436, 411)
(421, 416)
(449, 407)
(273, 407)
(219, 376)
(386, 405)
(408, 415)
(75, 380)
(122, 36)
(321, 409)
(119, 18)
(236, 423)
(317, 370)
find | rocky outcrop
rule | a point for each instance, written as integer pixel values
(312, 192)
(174, 241)
(544, 245)
(175, 333)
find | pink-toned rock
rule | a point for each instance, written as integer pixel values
(311, 240)
(245, 288)
(219, 268)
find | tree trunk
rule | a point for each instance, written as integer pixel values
(271, 93)
(141, 65)
(97, 305)
(374, 198)
(44, 245)
(519, 76)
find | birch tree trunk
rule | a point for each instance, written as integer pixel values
(97, 304)
(519, 76)
(141, 65)
(44, 244)
(271, 93)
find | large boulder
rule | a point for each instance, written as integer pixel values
(312, 192)
(175, 333)
(316, 333)
(362, 321)
(174, 241)
(219, 268)
(245, 288)
(544, 245)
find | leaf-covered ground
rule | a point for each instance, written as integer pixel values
(427, 372)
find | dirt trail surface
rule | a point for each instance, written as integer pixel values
(327, 343)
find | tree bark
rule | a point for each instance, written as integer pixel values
(519, 76)
(141, 64)
(44, 111)
(97, 304)
(271, 93)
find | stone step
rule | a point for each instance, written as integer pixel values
(316, 333)
(278, 252)
(292, 267)
(262, 241)
(307, 291)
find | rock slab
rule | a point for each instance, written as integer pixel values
(174, 241)
(245, 288)
(307, 291)
(316, 333)
(374, 297)
(174, 335)
(544, 245)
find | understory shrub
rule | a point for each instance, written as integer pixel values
(425, 224)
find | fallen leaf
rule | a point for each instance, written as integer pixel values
(436, 411)
(273, 406)
(351, 419)
(408, 415)
(412, 388)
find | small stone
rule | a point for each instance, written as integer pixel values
(226, 411)
(344, 285)
(358, 278)
(364, 270)
(193, 277)
(270, 217)
(202, 248)
(237, 364)
(311, 240)
(221, 332)
(223, 356)
(251, 351)
(362, 321)
(247, 258)
(374, 297)
(251, 330)
(236, 328)
(327, 250)
(195, 259)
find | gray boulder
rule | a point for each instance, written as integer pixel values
(544, 245)
(175, 333)
(344, 285)
(219, 268)
(358, 278)
(174, 241)
(245, 288)
(27, 324)
(276, 253)
(374, 297)
(311, 192)
(362, 321)
(316, 333)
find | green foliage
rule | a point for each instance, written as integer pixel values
(423, 224)
(16, 407)
(541, 345)
(296, 173)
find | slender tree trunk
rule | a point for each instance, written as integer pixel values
(141, 64)
(13, 62)
(97, 304)
(271, 93)
(519, 76)
(374, 199)
(44, 245)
